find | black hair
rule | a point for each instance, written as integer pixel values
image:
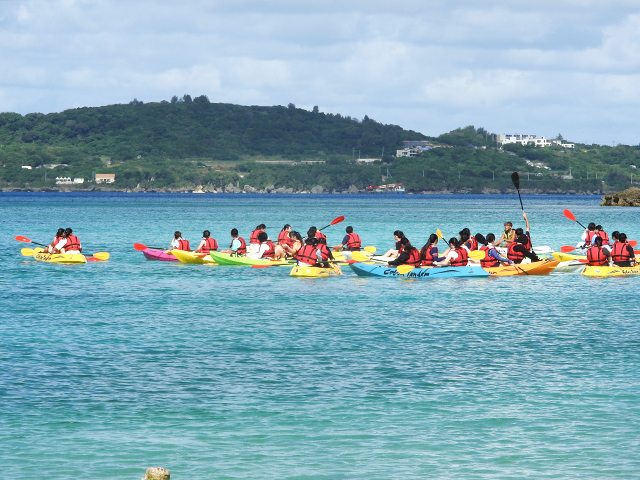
(433, 238)
(68, 231)
(622, 237)
(206, 234)
(177, 234)
(234, 232)
(322, 240)
(597, 242)
(522, 239)
(261, 226)
(398, 233)
(311, 241)
(60, 232)
(465, 230)
(464, 237)
(311, 233)
(599, 227)
(519, 231)
(263, 237)
(490, 237)
(295, 235)
(454, 241)
(286, 225)
(615, 235)
(349, 229)
(591, 227)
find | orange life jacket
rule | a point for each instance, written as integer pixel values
(463, 258)
(183, 245)
(73, 243)
(514, 256)
(354, 242)
(620, 252)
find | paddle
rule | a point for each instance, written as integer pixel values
(567, 213)
(515, 178)
(139, 247)
(20, 238)
(335, 220)
(370, 249)
(439, 234)
(359, 257)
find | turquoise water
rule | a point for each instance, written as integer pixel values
(109, 368)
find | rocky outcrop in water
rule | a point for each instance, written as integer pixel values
(626, 198)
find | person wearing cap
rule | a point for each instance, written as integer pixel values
(518, 251)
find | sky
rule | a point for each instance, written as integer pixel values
(541, 68)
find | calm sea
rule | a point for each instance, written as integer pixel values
(107, 369)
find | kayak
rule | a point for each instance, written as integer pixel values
(565, 257)
(192, 257)
(66, 258)
(315, 272)
(233, 260)
(544, 267)
(541, 250)
(367, 270)
(152, 254)
(569, 266)
(606, 271)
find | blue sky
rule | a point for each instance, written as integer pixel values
(541, 68)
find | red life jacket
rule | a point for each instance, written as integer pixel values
(473, 244)
(183, 245)
(307, 254)
(354, 241)
(242, 249)
(399, 246)
(56, 241)
(590, 236)
(463, 258)
(271, 251)
(283, 238)
(320, 235)
(515, 257)
(596, 257)
(324, 251)
(72, 243)
(604, 237)
(414, 257)
(487, 261)
(253, 238)
(620, 252)
(209, 244)
(528, 244)
(427, 256)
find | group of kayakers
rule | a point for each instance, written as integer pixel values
(64, 242)
(601, 252)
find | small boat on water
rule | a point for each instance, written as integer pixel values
(234, 260)
(153, 254)
(66, 258)
(367, 270)
(544, 267)
(606, 271)
(315, 272)
(193, 257)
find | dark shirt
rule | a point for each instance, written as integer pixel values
(521, 249)
(402, 258)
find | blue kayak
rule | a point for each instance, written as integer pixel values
(366, 270)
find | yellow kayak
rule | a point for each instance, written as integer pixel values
(69, 258)
(606, 271)
(193, 257)
(315, 272)
(565, 257)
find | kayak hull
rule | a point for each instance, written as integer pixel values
(152, 254)
(606, 271)
(366, 270)
(65, 258)
(233, 260)
(565, 257)
(545, 267)
(568, 267)
(193, 257)
(315, 272)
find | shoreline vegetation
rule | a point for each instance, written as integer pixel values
(193, 145)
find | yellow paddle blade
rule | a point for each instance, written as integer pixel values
(28, 252)
(439, 233)
(476, 255)
(370, 249)
(101, 255)
(359, 257)
(402, 269)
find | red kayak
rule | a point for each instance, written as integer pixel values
(152, 254)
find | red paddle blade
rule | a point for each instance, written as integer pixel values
(569, 215)
(262, 266)
(93, 259)
(20, 238)
(337, 220)
(583, 260)
(139, 246)
(567, 249)
(633, 243)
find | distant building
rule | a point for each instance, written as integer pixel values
(27, 167)
(504, 139)
(408, 152)
(63, 181)
(105, 177)
(368, 161)
(426, 144)
(78, 180)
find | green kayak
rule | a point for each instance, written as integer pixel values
(231, 259)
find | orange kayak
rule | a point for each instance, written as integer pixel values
(536, 268)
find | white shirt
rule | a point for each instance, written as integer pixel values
(60, 245)
(263, 248)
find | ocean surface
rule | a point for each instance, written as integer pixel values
(109, 368)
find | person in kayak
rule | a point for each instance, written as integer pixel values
(350, 242)
(317, 234)
(238, 245)
(588, 235)
(324, 253)
(491, 256)
(253, 238)
(307, 256)
(292, 248)
(507, 236)
(178, 243)
(267, 248)
(398, 235)
(518, 251)
(68, 244)
(58, 237)
(283, 236)
(471, 244)
(622, 253)
(457, 256)
(409, 255)
(597, 255)
(603, 235)
(207, 243)
(429, 251)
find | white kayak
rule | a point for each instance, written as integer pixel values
(569, 266)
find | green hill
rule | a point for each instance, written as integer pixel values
(186, 143)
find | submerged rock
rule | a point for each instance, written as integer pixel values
(157, 473)
(626, 198)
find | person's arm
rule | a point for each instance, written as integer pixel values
(493, 253)
(403, 257)
(200, 246)
(434, 254)
(632, 254)
(526, 220)
(526, 253)
(60, 245)
(584, 235)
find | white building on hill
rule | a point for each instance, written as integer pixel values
(504, 139)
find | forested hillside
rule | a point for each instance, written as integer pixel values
(187, 143)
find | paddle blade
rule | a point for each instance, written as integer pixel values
(28, 252)
(20, 238)
(633, 243)
(476, 255)
(567, 249)
(262, 266)
(567, 213)
(337, 220)
(93, 259)
(402, 269)
(360, 257)
(373, 249)
(101, 255)
(583, 260)
(515, 178)
(139, 246)
(439, 233)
